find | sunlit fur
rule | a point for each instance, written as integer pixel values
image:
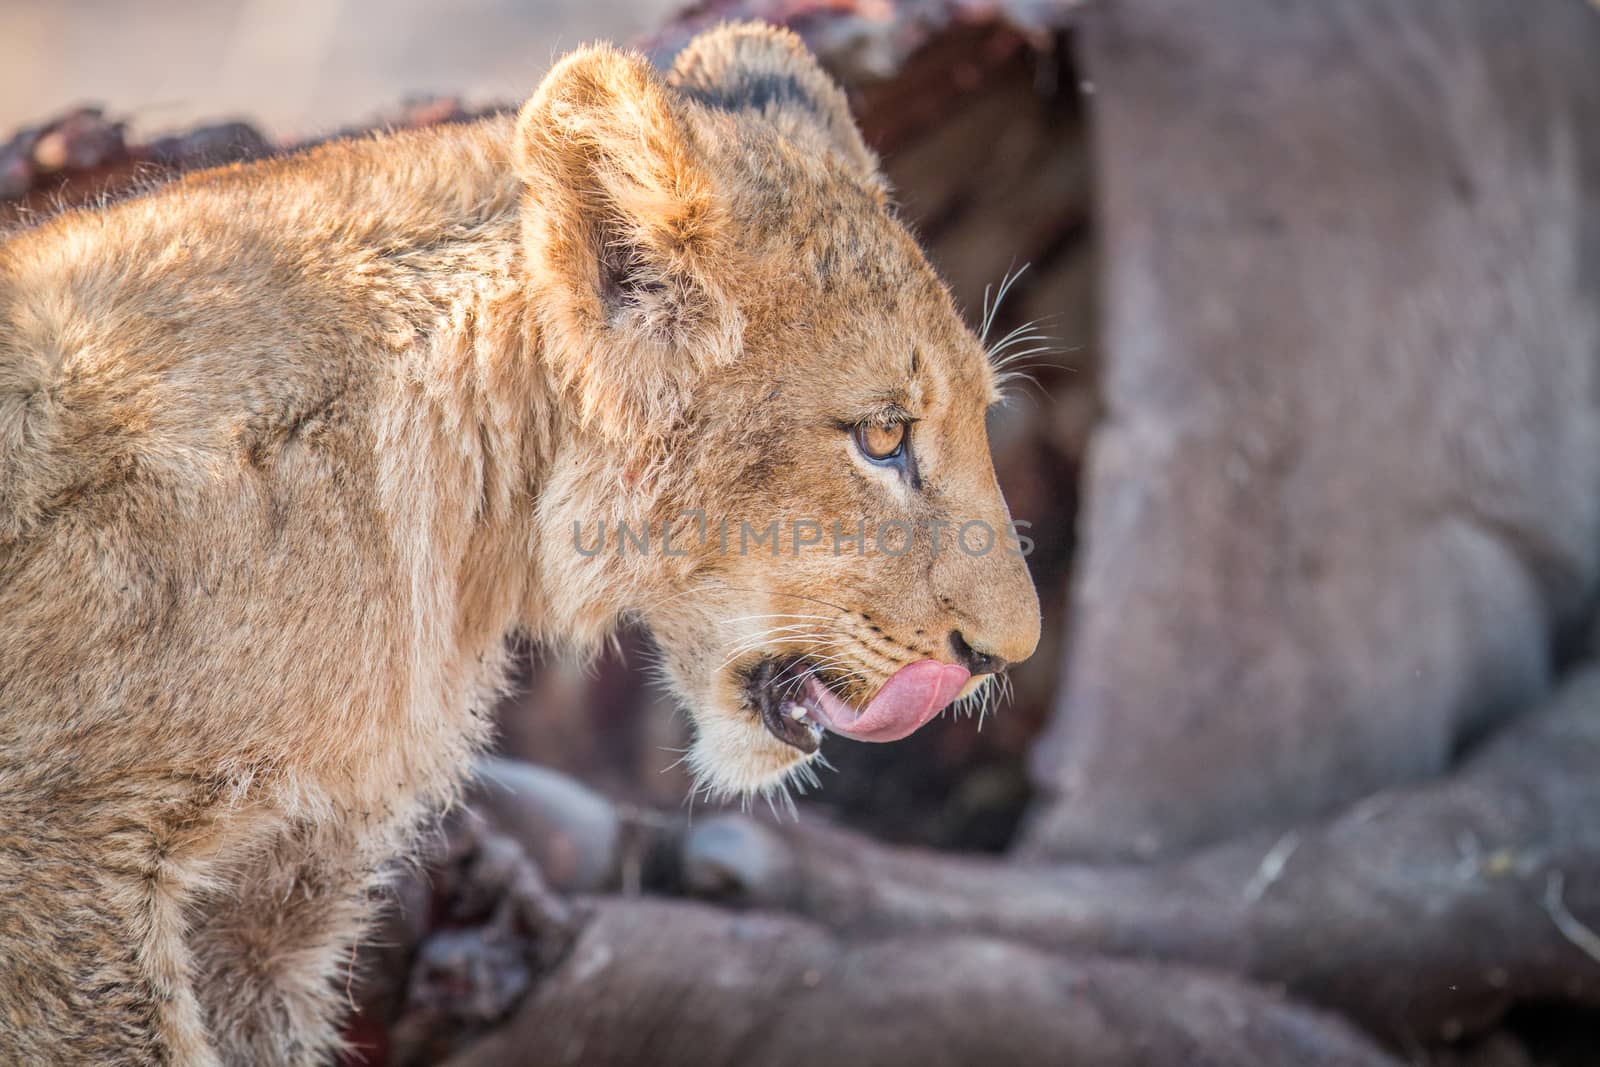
(287, 450)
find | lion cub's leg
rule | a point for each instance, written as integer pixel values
(93, 965)
(273, 949)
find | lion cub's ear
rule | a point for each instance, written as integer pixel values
(627, 237)
(750, 66)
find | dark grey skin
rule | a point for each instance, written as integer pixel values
(1343, 512)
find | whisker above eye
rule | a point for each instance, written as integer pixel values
(991, 310)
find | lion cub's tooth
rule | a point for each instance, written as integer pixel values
(796, 712)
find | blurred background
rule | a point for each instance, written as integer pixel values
(298, 68)
(1305, 768)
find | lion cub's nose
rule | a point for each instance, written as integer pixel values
(972, 659)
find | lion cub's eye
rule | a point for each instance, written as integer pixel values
(881, 442)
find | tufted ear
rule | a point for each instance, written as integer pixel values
(625, 232)
(750, 66)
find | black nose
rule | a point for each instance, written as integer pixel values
(973, 660)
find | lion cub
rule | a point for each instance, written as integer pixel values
(287, 450)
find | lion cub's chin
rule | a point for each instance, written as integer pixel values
(733, 754)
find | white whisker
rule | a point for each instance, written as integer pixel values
(991, 310)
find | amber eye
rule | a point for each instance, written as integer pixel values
(881, 442)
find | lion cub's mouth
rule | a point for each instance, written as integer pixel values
(777, 689)
(797, 704)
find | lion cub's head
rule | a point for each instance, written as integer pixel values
(778, 459)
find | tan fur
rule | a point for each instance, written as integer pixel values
(287, 450)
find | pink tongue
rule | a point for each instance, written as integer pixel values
(916, 693)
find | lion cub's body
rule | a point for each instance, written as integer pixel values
(259, 430)
(287, 450)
